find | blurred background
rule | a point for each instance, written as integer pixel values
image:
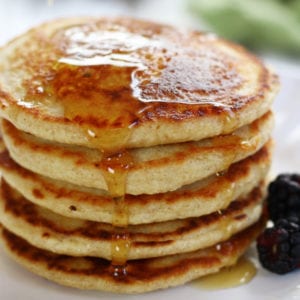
(263, 25)
(270, 28)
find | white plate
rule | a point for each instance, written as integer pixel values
(16, 283)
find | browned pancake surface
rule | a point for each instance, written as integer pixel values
(56, 233)
(112, 76)
(154, 169)
(200, 198)
(139, 275)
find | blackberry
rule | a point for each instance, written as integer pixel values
(284, 197)
(279, 247)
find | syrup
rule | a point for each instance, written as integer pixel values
(240, 273)
(100, 115)
(116, 167)
(120, 248)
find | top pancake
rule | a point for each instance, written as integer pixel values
(118, 82)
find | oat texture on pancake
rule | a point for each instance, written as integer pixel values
(134, 155)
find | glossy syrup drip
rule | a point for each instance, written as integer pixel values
(116, 166)
(240, 273)
(101, 108)
(103, 104)
(105, 63)
(115, 162)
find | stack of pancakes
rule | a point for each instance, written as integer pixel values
(135, 153)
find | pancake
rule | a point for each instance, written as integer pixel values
(120, 83)
(135, 153)
(45, 229)
(155, 169)
(140, 275)
(202, 197)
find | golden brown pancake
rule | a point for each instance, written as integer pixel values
(139, 275)
(202, 197)
(155, 170)
(135, 153)
(120, 82)
(45, 229)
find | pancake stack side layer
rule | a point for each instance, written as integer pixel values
(134, 154)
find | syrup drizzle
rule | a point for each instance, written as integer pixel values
(116, 167)
(115, 161)
(101, 108)
(240, 273)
